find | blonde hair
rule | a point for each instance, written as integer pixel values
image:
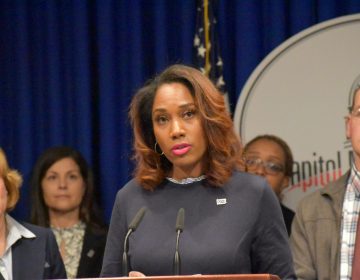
(12, 180)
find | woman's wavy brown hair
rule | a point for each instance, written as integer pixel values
(12, 180)
(224, 148)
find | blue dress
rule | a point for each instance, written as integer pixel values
(235, 229)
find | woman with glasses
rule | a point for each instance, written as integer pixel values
(270, 156)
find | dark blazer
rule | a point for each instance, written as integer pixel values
(37, 258)
(288, 215)
(92, 253)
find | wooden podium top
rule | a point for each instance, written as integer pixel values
(201, 277)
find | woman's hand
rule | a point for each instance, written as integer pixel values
(136, 274)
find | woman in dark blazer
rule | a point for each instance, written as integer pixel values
(18, 242)
(62, 194)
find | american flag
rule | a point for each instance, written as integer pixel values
(206, 44)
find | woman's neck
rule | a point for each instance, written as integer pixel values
(180, 174)
(63, 219)
(3, 234)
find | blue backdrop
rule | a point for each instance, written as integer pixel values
(68, 69)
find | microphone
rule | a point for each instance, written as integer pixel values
(179, 228)
(132, 227)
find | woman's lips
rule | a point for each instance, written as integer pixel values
(61, 196)
(181, 149)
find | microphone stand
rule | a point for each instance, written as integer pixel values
(179, 229)
(177, 261)
(125, 266)
(132, 227)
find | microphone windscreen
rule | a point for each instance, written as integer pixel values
(180, 219)
(137, 219)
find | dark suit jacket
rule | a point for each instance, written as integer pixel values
(37, 258)
(92, 253)
(288, 215)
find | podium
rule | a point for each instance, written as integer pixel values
(201, 277)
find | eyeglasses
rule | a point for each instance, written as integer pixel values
(355, 113)
(270, 167)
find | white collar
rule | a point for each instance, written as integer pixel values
(16, 231)
(186, 180)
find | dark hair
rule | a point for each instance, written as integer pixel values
(284, 146)
(224, 147)
(89, 210)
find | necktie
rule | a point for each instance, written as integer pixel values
(355, 272)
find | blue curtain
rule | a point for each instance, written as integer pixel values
(68, 69)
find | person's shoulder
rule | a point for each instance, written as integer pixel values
(246, 176)
(337, 185)
(310, 203)
(96, 231)
(321, 203)
(331, 190)
(247, 184)
(128, 192)
(247, 180)
(39, 231)
(310, 198)
(131, 186)
(36, 229)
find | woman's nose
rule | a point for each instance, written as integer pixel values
(177, 129)
(62, 183)
(260, 170)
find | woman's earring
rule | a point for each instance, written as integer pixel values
(155, 147)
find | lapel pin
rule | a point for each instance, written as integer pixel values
(221, 201)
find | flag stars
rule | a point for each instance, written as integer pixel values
(201, 51)
(220, 82)
(219, 63)
(208, 58)
(196, 41)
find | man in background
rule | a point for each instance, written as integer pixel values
(324, 238)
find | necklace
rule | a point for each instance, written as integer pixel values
(186, 180)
